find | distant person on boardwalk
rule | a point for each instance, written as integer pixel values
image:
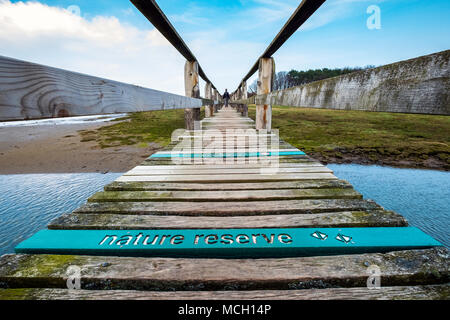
(226, 97)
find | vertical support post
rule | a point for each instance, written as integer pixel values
(192, 89)
(244, 96)
(217, 107)
(236, 97)
(265, 85)
(209, 109)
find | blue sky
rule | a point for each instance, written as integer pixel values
(226, 36)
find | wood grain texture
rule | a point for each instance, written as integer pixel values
(400, 268)
(229, 178)
(226, 166)
(281, 160)
(32, 91)
(433, 292)
(149, 171)
(234, 195)
(233, 208)
(265, 85)
(149, 186)
(345, 219)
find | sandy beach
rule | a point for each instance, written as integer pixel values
(58, 149)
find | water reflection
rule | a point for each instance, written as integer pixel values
(29, 202)
(421, 196)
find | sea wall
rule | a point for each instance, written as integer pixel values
(419, 85)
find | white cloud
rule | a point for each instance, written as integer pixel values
(101, 46)
(107, 47)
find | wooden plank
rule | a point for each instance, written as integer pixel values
(150, 186)
(431, 292)
(345, 219)
(32, 91)
(235, 195)
(224, 122)
(400, 268)
(205, 147)
(234, 208)
(167, 160)
(219, 119)
(226, 243)
(256, 161)
(239, 153)
(229, 178)
(230, 125)
(226, 166)
(198, 134)
(149, 171)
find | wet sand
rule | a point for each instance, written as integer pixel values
(58, 149)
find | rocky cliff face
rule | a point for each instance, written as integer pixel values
(419, 85)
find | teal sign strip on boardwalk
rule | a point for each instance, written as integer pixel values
(226, 243)
(228, 155)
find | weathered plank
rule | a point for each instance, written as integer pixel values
(235, 195)
(227, 243)
(233, 208)
(197, 134)
(278, 151)
(433, 292)
(221, 146)
(149, 171)
(400, 268)
(345, 219)
(229, 178)
(226, 166)
(32, 91)
(150, 186)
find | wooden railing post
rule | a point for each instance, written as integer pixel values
(244, 96)
(265, 85)
(237, 95)
(192, 89)
(218, 98)
(209, 109)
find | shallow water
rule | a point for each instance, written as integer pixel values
(421, 196)
(63, 121)
(29, 202)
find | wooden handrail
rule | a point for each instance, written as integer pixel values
(304, 11)
(151, 10)
(33, 91)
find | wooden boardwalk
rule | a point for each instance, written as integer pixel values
(233, 195)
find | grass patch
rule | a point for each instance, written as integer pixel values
(333, 136)
(140, 129)
(341, 136)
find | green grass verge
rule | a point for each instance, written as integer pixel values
(337, 136)
(333, 136)
(140, 129)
